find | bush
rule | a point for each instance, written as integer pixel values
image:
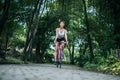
(89, 65)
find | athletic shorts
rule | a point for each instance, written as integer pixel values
(60, 39)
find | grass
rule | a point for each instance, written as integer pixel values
(11, 60)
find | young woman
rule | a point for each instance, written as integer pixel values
(61, 35)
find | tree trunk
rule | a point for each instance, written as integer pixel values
(85, 49)
(116, 13)
(38, 53)
(72, 55)
(6, 43)
(88, 32)
(29, 34)
(5, 15)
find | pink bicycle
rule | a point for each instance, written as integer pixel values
(59, 54)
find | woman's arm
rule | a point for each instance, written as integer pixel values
(66, 38)
(56, 34)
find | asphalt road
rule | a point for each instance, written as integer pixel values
(49, 72)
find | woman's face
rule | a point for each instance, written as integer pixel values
(62, 24)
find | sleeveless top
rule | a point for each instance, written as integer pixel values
(61, 34)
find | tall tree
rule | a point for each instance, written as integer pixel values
(88, 32)
(33, 28)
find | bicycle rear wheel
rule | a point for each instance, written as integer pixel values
(60, 63)
(59, 59)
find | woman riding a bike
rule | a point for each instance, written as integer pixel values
(61, 36)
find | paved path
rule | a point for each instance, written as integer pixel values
(49, 72)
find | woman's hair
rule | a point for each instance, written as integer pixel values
(64, 24)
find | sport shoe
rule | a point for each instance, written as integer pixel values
(55, 63)
(62, 55)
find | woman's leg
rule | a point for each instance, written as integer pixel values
(56, 48)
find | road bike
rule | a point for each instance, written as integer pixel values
(60, 56)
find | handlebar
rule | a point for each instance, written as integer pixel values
(63, 42)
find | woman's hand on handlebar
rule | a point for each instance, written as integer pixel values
(67, 42)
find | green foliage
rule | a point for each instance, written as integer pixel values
(112, 68)
(32, 57)
(109, 65)
(48, 58)
(89, 65)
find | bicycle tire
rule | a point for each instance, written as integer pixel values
(59, 60)
(60, 63)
